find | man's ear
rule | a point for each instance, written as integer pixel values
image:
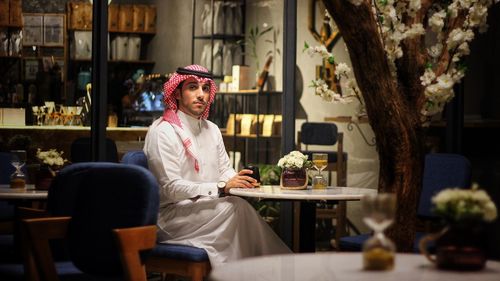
(177, 94)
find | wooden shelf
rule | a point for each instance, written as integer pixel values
(116, 31)
(220, 37)
(10, 57)
(346, 119)
(249, 92)
(251, 136)
(119, 61)
(11, 26)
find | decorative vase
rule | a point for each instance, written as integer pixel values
(293, 178)
(459, 246)
(44, 177)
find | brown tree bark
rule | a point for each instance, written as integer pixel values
(393, 109)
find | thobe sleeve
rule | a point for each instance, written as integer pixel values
(164, 152)
(226, 171)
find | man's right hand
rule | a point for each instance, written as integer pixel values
(241, 180)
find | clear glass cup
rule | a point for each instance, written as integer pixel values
(378, 214)
(18, 178)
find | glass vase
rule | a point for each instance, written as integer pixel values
(44, 177)
(459, 246)
(293, 178)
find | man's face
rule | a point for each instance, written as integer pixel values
(193, 97)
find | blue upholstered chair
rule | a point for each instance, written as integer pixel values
(181, 260)
(136, 157)
(441, 170)
(91, 203)
(80, 150)
(6, 211)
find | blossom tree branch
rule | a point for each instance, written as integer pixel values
(406, 57)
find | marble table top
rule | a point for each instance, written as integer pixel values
(342, 267)
(330, 193)
(27, 193)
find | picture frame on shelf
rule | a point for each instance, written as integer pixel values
(30, 69)
(53, 30)
(32, 29)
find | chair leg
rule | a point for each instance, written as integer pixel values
(341, 222)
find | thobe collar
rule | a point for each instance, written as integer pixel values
(192, 123)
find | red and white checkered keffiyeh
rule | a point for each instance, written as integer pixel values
(170, 113)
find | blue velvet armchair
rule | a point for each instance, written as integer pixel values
(180, 260)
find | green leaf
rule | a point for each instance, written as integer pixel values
(429, 65)
(265, 31)
(331, 59)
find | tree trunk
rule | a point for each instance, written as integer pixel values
(393, 116)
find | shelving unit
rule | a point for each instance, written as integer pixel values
(125, 21)
(199, 38)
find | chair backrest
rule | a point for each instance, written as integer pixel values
(136, 157)
(81, 152)
(325, 134)
(100, 197)
(318, 133)
(442, 170)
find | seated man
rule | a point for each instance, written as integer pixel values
(186, 153)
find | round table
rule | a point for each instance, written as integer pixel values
(341, 267)
(303, 234)
(328, 194)
(27, 193)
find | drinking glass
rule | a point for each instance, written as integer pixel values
(378, 214)
(18, 178)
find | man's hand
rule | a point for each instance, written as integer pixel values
(241, 180)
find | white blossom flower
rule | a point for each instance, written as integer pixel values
(436, 21)
(428, 77)
(435, 51)
(356, 2)
(294, 159)
(457, 204)
(342, 69)
(51, 157)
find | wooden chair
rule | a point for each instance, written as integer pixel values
(106, 212)
(327, 134)
(179, 260)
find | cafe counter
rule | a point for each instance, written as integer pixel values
(61, 137)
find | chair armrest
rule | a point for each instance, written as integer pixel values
(36, 234)
(31, 213)
(130, 242)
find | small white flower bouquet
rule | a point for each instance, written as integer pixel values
(456, 204)
(51, 158)
(294, 160)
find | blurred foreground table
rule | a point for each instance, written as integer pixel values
(341, 267)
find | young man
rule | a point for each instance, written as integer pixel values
(186, 153)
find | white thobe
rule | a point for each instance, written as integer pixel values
(191, 213)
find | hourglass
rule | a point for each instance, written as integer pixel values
(320, 161)
(378, 213)
(18, 178)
